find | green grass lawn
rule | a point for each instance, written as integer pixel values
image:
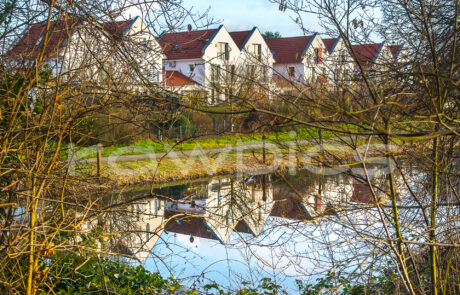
(148, 146)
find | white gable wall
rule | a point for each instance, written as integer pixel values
(339, 63)
(384, 56)
(153, 59)
(88, 49)
(312, 69)
(211, 53)
(247, 55)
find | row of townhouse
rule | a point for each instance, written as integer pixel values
(211, 65)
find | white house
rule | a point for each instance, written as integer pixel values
(373, 58)
(206, 57)
(256, 58)
(90, 51)
(338, 62)
(299, 59)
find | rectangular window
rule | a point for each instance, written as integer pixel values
(39, 40)
(154, 74)
(343, 56)
(215, 73)
(319, 55)
(313, 74)
(264, 74)
(145, 46)
(230, 69)
(251, 70)
(291, 72)
(346, 75)
(257, 52)
(223, 53)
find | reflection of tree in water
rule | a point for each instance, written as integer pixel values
(291, 232)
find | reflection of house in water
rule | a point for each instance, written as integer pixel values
(306, 196)
(223, 206)
(138, 227)
(362, 192)
(216, 208)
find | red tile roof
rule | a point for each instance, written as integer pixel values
(240, 37)
(175, 78)
(118, 28)
(58, 32)
(395, 50)
(185, 44)
(329, 43)
(288, 50)
(27, 46)
(366, 53)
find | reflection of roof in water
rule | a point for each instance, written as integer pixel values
(362, 193)
(196, 226)
(188, 225)
(288, 205)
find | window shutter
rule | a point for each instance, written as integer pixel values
(318, 202)
(320, 55)
(226, 51)
(259, 52)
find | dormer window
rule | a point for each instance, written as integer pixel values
(39, 41)
(223, 53)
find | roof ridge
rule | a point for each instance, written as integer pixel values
(290, 37)
(182, 32)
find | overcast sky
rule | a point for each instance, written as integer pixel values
(245, 14)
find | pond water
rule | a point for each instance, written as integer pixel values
(230, 231)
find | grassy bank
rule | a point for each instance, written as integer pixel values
(237, 139)
(170, 169)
